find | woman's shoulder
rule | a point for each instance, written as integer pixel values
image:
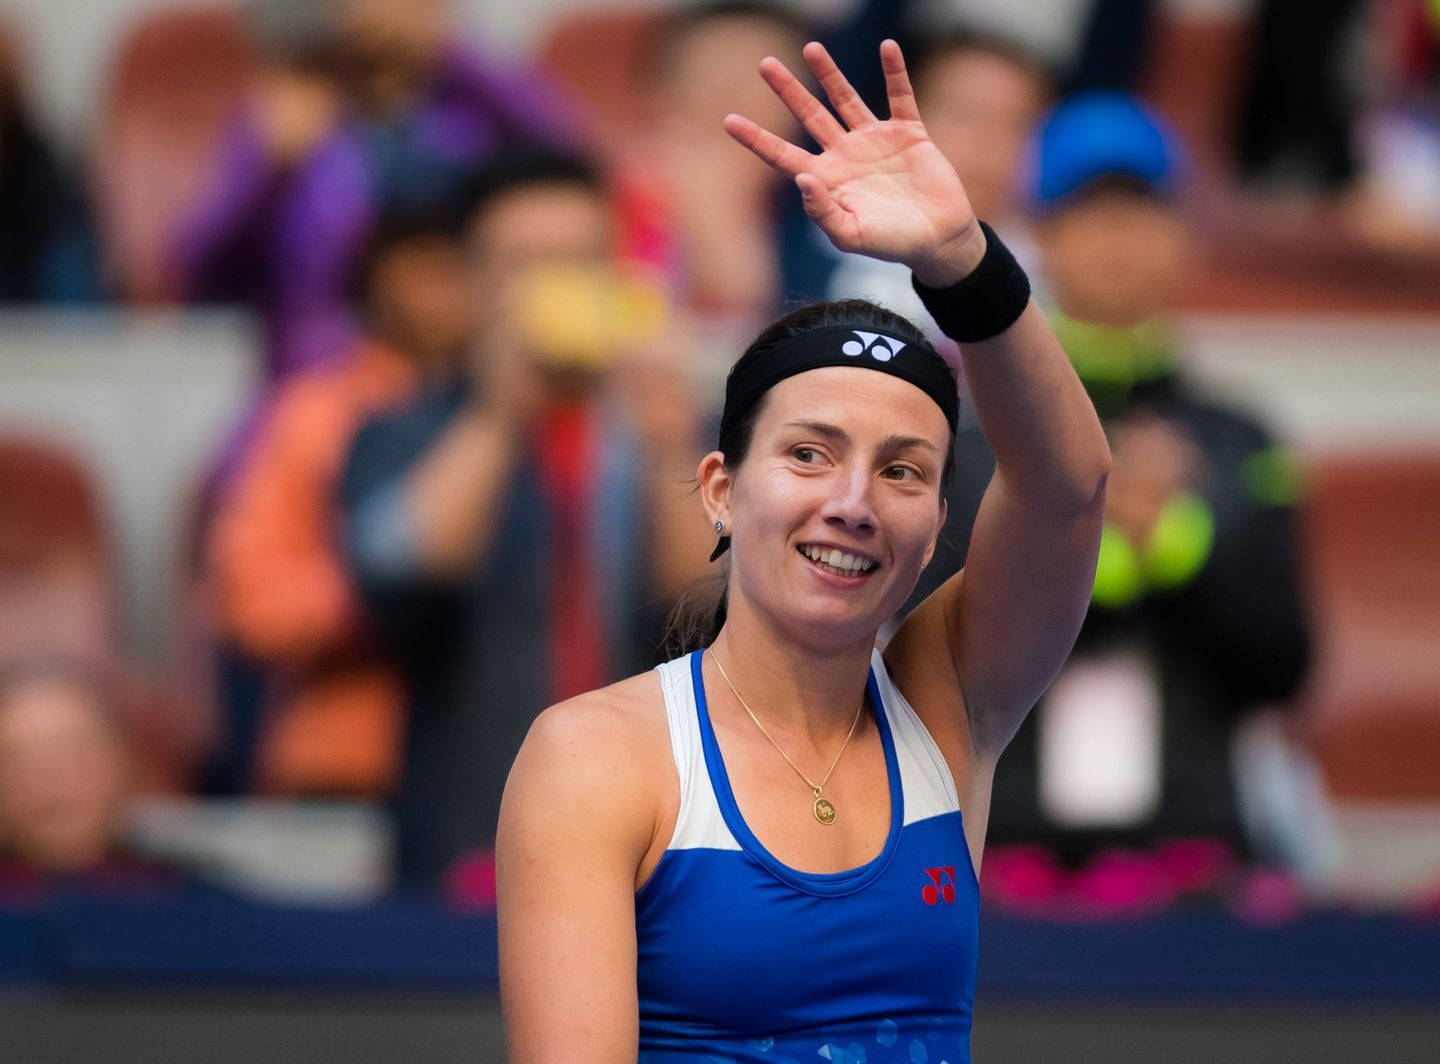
(627, 709)
(590, 781)
(613, 742)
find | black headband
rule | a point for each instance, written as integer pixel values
(838, 345)
(841, 345)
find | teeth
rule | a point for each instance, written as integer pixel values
(838, 559)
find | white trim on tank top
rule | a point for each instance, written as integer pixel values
(925, 779)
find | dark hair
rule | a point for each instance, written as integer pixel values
(442, 222)
(1130, 186)
(932, 50)
(448, 216)
(526, 168)
(670, 33)
(696, 620)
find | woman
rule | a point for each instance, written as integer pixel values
(669, 885)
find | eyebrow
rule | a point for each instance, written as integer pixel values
(833, 433)
(891, 444)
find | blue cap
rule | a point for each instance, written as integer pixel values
(1101, 134)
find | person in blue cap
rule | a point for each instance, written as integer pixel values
(1196, 616)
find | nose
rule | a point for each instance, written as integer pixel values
(850, 506)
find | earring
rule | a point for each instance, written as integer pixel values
(719, 528)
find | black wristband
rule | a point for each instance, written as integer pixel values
(984, 303)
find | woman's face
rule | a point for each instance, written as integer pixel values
(845, 460)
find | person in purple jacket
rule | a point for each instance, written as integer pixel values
(360, 107)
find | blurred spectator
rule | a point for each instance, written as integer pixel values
(1396, 205)
(65, 768)
(1300, 99)
(361, 107)
(1086, 44)
(980, 98)
(47, 250)
(514, 526)
(709, 216)
(1196, 616)
(283, 590)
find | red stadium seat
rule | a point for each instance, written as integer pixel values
(176, 77)
(1193, 77)
(595, 57)
(1372, 531)
(56, 575)
(59, 598)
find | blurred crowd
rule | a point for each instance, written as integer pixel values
(496, 295)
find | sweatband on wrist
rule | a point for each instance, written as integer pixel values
(986, 302)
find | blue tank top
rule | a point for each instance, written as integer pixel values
(744, 959)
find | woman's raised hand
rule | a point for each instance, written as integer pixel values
(879, 187)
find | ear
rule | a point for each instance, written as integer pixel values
(935, 539)
(715, 483)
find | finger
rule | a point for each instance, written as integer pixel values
(780, 154)
(838, 223)
(808, 111)
(842, 95)
(897, 83)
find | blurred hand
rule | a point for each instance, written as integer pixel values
(508, 384)
(881, 187)
(653, 384)
(295, 111)
(1151, 460)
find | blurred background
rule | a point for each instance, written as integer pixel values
(355, 356)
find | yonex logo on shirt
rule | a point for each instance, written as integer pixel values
(880, 348)
(941, 885)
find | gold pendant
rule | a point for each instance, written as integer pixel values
(824, 810)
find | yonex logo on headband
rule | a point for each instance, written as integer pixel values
(881, 348)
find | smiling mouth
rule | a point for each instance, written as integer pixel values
(836, 561)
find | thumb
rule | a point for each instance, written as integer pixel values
(824, 211)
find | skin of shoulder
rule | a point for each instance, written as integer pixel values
(580, 811)
(609, 748)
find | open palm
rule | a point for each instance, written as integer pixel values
(879, 187)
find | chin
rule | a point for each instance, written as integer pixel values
(822, 623)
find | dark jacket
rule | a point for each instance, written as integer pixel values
(477, 654)
(1231, 637)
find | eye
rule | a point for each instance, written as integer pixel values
(807, 455)
(901, 473)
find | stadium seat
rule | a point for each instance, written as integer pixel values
(56, 572)
(1372, 540)
(595, 58)
(1194, 75)
(59, 597)
(176, 76)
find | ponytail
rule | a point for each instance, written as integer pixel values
(697, 617)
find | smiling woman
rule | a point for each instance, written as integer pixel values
(767, 849)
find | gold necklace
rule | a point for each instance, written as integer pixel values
(823, 808)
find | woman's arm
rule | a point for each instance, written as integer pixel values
(1011, 615)
(575, 822)
(993, 637)
(282, 587)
